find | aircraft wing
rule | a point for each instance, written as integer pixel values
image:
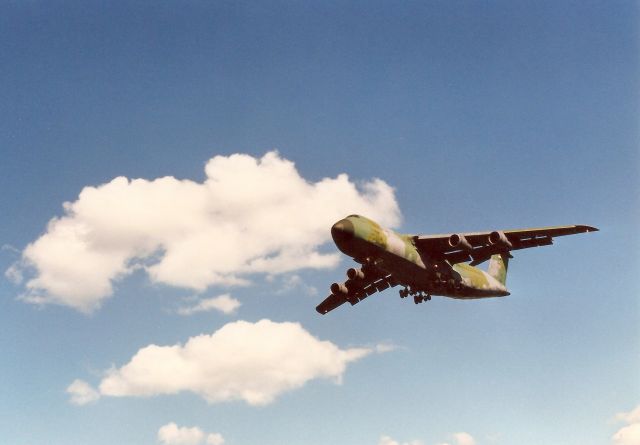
(357, 289)
(479, 246)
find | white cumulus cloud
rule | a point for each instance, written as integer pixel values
(632, 416)
(172, 434)
(215, 439)
(248, 216)
(630, 433)
(82, 393)
(223, 303)
(252, 362)
(386, 440)
(461, 438)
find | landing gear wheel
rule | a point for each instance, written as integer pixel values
(417, 299)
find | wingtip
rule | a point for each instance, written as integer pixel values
(589, 229)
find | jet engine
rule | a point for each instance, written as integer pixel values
(459, 242)
(339, 289)
(355, 274)
(499, 239)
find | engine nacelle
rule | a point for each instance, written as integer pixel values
(459, 242)
(355, 274)
(339, 289)
(499, 239)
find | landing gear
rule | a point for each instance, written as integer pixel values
(418, 296)
(421, 297)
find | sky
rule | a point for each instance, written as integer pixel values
(170, 172)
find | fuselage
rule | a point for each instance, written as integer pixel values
(369, 243)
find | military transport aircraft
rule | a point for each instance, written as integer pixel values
(426, 265)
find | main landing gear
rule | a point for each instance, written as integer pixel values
(418, 296)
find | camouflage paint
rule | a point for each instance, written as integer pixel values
(478, 279)
(498, 267)
(402, 246)
(386, 239)
(369, 230)
(428, 265)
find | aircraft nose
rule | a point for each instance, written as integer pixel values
(342, 232)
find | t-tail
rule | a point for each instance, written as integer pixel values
(498, 266)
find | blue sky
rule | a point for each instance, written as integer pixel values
(480, 115)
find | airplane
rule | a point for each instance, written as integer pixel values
(426, 265)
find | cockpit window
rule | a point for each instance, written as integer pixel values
(353, 216)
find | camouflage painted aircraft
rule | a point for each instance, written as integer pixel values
(426, 265)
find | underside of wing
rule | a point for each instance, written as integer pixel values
(477, 247)
(361, 284)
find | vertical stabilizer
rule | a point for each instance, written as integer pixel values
(498, 266)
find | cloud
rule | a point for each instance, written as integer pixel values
(14, 273)
(248, 216)
(632, 416)
(386, 440)
(172, 434)
(82, 393)
(461, 438)
(215, 439)
(630, 433)
(10, 248)
(224, 303)
(252, 362)
(381, 348)
(295, 282)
